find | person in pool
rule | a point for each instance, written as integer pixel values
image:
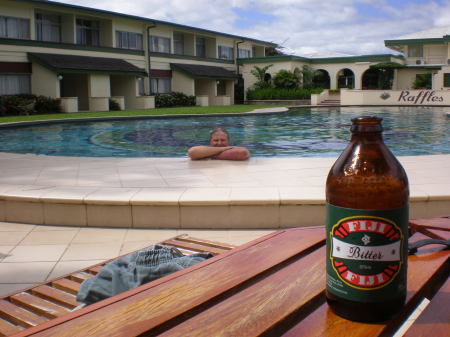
(219, 148)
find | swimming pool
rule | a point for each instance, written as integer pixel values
(301, 132)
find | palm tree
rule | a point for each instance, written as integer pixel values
(260, 74)
(307, 76)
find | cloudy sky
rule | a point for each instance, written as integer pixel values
(302, 27)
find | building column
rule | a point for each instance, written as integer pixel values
(358, 79)
(333, 79)
(99, 92)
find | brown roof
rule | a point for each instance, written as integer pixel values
(199, 71)
(85, 64)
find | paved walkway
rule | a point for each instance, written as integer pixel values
(30, 254)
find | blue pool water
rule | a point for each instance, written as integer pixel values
(302, 132)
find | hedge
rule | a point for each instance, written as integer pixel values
(174, 99)
(27, 104)
(274, 93)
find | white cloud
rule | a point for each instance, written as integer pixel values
(354, 27)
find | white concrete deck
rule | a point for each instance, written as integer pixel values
(232, 202)
(178, 193)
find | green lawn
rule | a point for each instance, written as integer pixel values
(148, 112)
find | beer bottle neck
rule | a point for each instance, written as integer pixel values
(367, 127)
(370, 136)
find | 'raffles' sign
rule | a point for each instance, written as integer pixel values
(419, 97)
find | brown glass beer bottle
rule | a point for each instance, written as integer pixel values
(367, 197)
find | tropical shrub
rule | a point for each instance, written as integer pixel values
(422, 81)
(263, 78)
(386, 73)
(286, 79)
(275, 93)
(26, 104)
(113, 105)
(174, 99)
(45, 105)
(307, 77)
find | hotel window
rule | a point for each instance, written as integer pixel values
(200, 47)
(226, 53)
(178, 43)
(244, 53)
(447, 80)
(159, 44)
(128, 40)
(221, 88)
(415, 51)
(48, 27)
(141, 86)
(14, 28)
(160, 85)
(12, 84)
(88, 32)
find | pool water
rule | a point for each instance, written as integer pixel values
(301, 132)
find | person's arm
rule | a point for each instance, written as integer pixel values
(201, 152)
(234, 153)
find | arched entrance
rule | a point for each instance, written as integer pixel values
(321, 79)
(346, 78)
(371, 79)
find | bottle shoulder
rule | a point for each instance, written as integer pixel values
(367, 179)
(367, 160)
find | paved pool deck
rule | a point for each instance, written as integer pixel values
(176, 193)
(60, 214)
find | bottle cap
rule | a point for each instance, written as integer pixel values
(366, 124)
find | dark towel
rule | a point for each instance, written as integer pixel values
(135, 269)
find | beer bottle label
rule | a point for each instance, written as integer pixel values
(366, 253)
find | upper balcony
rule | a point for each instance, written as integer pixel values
(188, 45)
(80, 31)
(422, 52)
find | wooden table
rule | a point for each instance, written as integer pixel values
(272, 286)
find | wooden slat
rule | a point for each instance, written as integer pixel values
(193, 246)
(323, 322)
(80, 277)
(56, 295)
(62, 291)
(264, 304)
(435, 319)
(139, 310)
(95, 269)
(186, 252)
(207, 243)
(6, 328)
(438, 223)
(18, 315)
(435, 227)
(38, 305)
(67, 285)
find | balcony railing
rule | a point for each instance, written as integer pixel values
(190, 57)
(61, 45)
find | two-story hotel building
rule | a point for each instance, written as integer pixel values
(86, 56)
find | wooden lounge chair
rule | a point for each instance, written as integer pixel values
(46, 301)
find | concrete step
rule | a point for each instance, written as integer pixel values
(331, 102)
